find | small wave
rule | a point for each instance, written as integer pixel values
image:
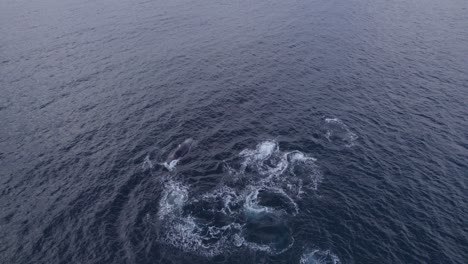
(338, 132)
(319, 257)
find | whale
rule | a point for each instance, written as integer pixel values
(178, 153)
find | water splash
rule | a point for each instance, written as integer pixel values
(267, 165)
(171, 165)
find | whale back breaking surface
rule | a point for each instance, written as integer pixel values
(181, 151)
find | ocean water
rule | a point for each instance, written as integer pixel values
(326, 131)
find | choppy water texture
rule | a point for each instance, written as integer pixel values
(325, 131)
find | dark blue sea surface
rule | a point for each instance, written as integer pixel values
(324, 131)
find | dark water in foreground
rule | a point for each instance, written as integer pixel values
(326, 131)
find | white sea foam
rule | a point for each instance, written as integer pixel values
(337, 131)
(253, 205)
(270, 248)
(171, 165)
(228, 216)
(224, 195)
(268, 166)
(297, 156)
(258, 155)
(241, 207)
(147, 164)
(261, 152)
(231, 171)
(240, 240)
(188, 234)
(319, 257)
(329, 120)
(173, 199)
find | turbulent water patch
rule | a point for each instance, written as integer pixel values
(173, 199)
(182, 229)
(251, 210)
(319, 257)
(268, 166)
(338, 132)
